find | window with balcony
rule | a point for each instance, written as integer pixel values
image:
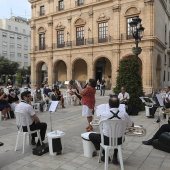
(60, 5)
(129, 28)
(80, 2)
(24, 31)
(42, 10)
(80, 36)
(42, 42)
(60, 39)
(4, 34)
(25, 47)
(12, 36)
(12, 56)
(103, 32)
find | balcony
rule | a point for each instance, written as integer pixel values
(80, 42)
(41, 13)
(79, 2)
(42, 47)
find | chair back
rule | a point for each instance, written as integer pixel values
(115, 128)
(20, 118)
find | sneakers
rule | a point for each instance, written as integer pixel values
(149, 142)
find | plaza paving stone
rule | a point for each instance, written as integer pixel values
(136, 156)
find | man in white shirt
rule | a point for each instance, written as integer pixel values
(34, 122)
(105, 115)
(123, 96)
(166, 98)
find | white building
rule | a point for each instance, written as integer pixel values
(15, 40)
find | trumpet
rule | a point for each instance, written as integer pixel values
(136, 131)
(131, 131)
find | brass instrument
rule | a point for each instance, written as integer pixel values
(136, 131)
(166, 111)
(131, 131)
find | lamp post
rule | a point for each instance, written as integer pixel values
(137, 32)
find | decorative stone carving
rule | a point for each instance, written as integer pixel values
(132, 11)
(33, 27)
(69, 18)
(41, 30)
(79, 21)
(116, 8)
(148, 2)
(50, 23)
(102, 17)
(59, 26)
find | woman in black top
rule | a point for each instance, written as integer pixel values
(4, 106)
(57, 92)
(13, 99)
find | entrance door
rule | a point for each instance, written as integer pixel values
(99, 73)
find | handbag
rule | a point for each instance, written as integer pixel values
(40, 150)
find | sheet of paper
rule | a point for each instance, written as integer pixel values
(79, 85)
(66, 82)
(160, 100)
(142, 99)
(53, 106)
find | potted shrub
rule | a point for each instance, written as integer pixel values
(129, 76)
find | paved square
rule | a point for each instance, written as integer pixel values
(136, 155)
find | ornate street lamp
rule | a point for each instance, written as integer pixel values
(137, 32)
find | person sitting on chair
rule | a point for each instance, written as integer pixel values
(34, 121)
(39, 98)
(57, 92)
(108, 114)
(166, 99)
(123, 96)
(162, 129)
(46, 92)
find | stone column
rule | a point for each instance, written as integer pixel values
(69, 68)
(33, 36)
(33, 71)
(50, 71)
(49, 36)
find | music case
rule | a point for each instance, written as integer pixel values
(40, 150)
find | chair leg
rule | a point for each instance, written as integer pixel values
(17, 141)
(100, 151)
(24, 142)
(120, 157)
(30, 138)
(106, 159)
(39, 137)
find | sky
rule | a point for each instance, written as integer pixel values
(20, 8)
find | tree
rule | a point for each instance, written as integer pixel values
(8, 67)
(19, 78)
(129, 76)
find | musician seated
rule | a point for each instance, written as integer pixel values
(123, 97)
(166, 98)
(162, 129)
(110, 112)
(71, 94)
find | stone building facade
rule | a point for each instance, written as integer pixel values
(82, 39)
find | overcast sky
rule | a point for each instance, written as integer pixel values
(20, 8)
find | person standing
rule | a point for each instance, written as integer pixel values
(98, 84)
(88, 102)
(102, 87)
(34, 122)
(111, 112)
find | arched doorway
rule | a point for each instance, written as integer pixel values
(41, 73)
(79, 71)
(158, 72)
(103, 70)
(60, 71)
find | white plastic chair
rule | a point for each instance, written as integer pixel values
(19, 119)
(0, 115)
(114, 127)
(65, 96)
(36, 106)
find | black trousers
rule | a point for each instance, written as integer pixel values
(162, 129)
(152, 110)
(96, 140)
(37, 126)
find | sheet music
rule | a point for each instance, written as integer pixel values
(160, 100)
(66, 82)
(79, 85)
(53, 106)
